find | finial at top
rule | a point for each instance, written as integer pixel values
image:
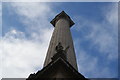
(62, 15)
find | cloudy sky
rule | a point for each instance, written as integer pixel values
(26, 33)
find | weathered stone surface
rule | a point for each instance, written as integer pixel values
(62, 34)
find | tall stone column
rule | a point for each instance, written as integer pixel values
(62, 34)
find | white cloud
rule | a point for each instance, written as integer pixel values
(34, 16)
(104, 38)
(31, 10)
(89, 66)
(22, 55)
(108, 37)
(0, 19)
(103, 35)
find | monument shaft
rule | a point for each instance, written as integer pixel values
(60, 62)
(62, 34)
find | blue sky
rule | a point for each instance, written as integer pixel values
(27, 31)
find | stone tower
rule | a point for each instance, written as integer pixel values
(60, 60)
(62, 24)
